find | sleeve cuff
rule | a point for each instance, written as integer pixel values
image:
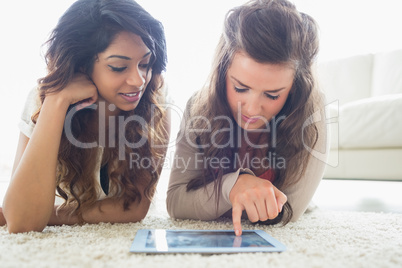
(229, 180)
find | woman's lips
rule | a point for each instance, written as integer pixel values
(249, 120)
(132, 96)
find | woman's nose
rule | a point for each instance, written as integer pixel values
(136, 78)
(253, 106)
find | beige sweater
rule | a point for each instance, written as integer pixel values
(201, 203)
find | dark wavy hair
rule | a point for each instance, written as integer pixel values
(274, 32)
(86, 29)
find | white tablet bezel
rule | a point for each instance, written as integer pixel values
(140, 240)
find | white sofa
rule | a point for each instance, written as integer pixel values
(364, 97)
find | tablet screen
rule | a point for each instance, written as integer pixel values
(203, 241)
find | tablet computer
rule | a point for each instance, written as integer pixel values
(203, 241)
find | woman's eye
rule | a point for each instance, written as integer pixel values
(271, 97)
(117, 69)
(144, 65)
(240, 90)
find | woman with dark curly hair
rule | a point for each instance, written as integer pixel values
(96, 112)
(251, 142)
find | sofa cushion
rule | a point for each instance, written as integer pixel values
(387, 73)
(374, 122)
(332, 120)
(346, 79)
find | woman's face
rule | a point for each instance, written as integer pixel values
(256, 92)
(121, 72)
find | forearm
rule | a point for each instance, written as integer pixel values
(183, 204)
(107, 210)
(29, 200)
(201, 204)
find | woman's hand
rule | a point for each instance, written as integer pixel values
(259, 198)
(80, 91)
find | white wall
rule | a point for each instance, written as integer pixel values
(24, 26)
(192, 29)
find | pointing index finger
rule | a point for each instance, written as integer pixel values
(236, 218)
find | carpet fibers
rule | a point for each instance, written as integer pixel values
(319, 239)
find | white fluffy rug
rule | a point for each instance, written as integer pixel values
(319, 239)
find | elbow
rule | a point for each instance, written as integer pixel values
(296, 215)
(294, 218)
(18, 223)
(170, 207)
(16, 228)
(140, 216)
(135, 214)
(172, 213)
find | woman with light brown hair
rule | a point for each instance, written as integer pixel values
(96, 112)
(253, 141)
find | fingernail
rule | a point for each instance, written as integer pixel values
(237, 232)
(280, 206)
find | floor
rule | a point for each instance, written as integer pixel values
(346, 195)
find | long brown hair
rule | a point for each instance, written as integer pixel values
(274, 32)
(85, 30)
